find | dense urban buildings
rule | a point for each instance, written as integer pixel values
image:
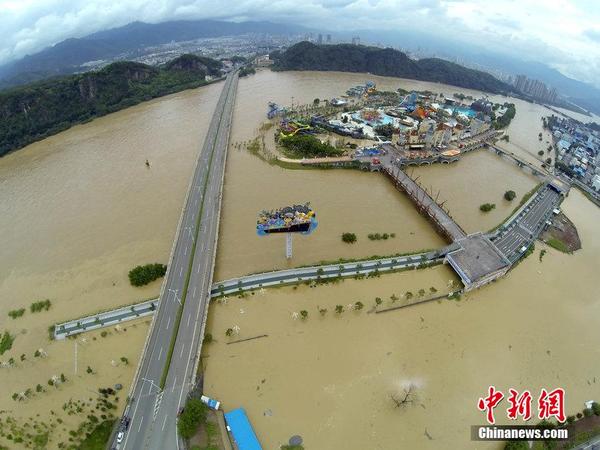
(535, 88)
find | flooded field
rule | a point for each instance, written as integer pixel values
(94, 360)
(330, 378)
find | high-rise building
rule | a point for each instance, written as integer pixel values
(535, 88)
(320, 39)
(356, 40)
(328, 40)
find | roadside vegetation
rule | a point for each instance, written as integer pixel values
(247, 70)
(142, 275)
(581, 426)
(97, 439)
(193, 415)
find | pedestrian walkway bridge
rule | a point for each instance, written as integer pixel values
(426, 205)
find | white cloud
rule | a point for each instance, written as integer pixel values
(561, 33)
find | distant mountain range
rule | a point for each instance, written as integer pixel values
(67, 56)
(385, 62)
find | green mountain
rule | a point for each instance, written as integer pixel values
(35, 111)
(385, 62)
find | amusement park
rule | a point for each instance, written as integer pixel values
(414, 128)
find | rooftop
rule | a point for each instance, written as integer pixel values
(242, 431)
(476, 259)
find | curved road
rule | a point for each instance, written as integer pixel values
(170, 355)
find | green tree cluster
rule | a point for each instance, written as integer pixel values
(142, 275)
(349, 238)
(15, 313)
(306, 146)
(192, 416)
(6, 341)
(487, 207)
(247, 70)
(386, 130)
(42, 305)
(506, 118)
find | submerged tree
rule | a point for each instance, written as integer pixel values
(404, 398)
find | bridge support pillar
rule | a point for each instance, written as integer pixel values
(288, 245)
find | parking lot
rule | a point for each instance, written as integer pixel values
(528, 225)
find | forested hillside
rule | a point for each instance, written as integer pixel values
(35, 111)
(385, 62)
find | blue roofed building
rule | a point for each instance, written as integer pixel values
(241, 430)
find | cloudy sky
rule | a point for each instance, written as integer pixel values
(564, 34)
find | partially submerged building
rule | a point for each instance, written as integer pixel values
(241, 430)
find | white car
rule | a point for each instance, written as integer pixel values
(120, 437)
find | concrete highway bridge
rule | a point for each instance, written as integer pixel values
(167, 370)
(519, 161)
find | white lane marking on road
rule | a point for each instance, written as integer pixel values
(184, 252)
(181, 269)
(198, 269)
(194, 293)
(173, 389)
(181, 352)
(168, 322)
(160, 353)
(164, 421)
(141, 421)
(188, 322)
(190, 355)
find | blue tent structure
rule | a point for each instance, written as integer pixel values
(242, 431)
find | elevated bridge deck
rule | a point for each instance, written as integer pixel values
(425, 204)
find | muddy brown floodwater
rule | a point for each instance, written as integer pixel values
(330, 379)
(79, 209)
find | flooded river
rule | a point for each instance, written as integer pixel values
(330, 379)
(79, 209)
